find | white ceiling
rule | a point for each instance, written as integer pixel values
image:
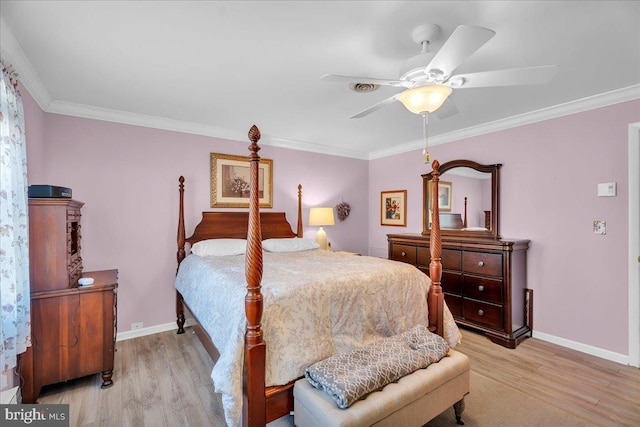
(217, 67)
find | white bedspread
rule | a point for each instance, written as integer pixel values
(316, 304)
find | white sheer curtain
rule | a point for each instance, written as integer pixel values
(15, 328)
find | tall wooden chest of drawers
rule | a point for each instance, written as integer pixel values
(54, 244)
(484, 282)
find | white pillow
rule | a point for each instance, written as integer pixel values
(292, 244)
(219, 247)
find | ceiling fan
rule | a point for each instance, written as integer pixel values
(428, 79)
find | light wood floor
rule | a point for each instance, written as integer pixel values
(163, 380)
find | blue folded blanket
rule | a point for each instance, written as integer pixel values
(349, 376)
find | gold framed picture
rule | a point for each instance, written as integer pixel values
(230, 181)
(393, 208)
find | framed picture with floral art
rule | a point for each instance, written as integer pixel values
(230, 181)
(393, 208)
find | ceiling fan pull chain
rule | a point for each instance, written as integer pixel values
(425, 128)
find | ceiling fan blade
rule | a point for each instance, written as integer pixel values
(374, 81)
(376, 107)
(512, 77)
(464, 41)
(447, 109)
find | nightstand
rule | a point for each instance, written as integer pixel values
(73, 334)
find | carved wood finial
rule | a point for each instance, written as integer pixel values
(254, 134)
(435, 165)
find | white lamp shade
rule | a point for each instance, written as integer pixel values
(424, 99)
(321, 216)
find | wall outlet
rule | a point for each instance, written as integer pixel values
(137, 325)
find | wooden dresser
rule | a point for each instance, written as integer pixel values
(484, 282)
(73, 334)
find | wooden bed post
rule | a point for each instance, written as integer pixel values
(436, 297)
(299, 231)
(180, 256)
(254, 404)
(464, 222)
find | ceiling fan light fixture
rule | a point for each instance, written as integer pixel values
(424, 99)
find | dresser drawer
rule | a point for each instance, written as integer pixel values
(454, 303)
(484, 313)
(483, 288)
(424, 256)
(451, 259)
(482, 263)
(451, 282)
(404, 253)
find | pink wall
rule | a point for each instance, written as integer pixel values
(35, 135)
(548, 194)
(128, 178)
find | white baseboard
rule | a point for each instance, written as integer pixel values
(584, 348)
(594, 351)
(127, 335)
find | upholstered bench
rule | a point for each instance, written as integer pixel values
(411, 401)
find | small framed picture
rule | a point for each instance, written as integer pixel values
(393, 208)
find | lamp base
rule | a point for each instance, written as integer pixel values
(321, 238)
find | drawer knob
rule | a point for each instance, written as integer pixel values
(480, 263)
(481, 288)
(403, 253)
(481, 312)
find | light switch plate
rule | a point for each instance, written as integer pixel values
(607, 189)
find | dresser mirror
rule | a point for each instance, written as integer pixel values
(468, 196)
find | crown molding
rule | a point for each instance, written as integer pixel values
(13, 53)
(589, 103)
(135, 119)
(315, 148)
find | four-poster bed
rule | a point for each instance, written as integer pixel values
(262, 404)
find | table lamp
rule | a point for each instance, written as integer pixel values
(321, 216)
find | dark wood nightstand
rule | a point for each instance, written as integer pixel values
(73, 334)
